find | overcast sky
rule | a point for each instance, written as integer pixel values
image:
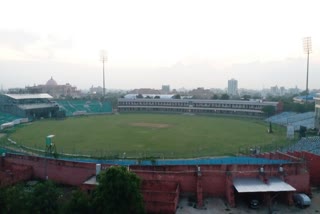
(149, 43)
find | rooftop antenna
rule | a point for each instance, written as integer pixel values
(307, 47)
(103, 58)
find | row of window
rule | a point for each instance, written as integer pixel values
(220, 111)
(202, 105)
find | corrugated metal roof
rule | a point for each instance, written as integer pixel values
(256, 185)
(29, 96)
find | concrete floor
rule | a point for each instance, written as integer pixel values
(218, 205)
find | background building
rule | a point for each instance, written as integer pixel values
(165, 89)
(55, 90)
(233, 87)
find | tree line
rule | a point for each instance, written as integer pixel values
(118, 191)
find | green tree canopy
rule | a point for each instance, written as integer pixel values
(139, 96)
(215, 97)
(44, 198)
(224, 97)
(269, 110)
(79, 203)
(118, 192)
(41, 198)
(177, 96)
(246, 97)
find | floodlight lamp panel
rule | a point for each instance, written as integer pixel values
(307, 45)
(103, 55)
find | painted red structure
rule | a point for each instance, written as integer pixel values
(163, 185)
(313, 165)
(11, 173)
(160, 196)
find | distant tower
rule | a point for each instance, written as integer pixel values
(232, 87)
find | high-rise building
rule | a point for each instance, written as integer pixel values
(232, 87)
(165, 89)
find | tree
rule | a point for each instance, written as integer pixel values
(214, 97)
(118, 192)
(44, 198)
(177, 96)
(14, 200)
(269, 110)
(139, 96)
(246, 97)
(224, 97)
(79, 203)
(41, 198)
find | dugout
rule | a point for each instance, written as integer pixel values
(265, 191)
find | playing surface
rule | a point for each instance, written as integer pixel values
(159, 135)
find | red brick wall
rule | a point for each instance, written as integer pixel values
(12, 174)
(67, 172)
(184, 175)
(160, 196)
(213, 179)
(300, 182)
(313, 164)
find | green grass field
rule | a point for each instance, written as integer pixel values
(159, 135)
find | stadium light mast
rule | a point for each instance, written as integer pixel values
(307, 47)
(103, 58)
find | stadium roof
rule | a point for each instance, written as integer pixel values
(161, 96)
(35, 106)
(301, 98)
(29, 96)
(256, 185)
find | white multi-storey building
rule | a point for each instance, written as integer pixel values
(233, 87)
(196, 106)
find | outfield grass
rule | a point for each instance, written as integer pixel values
(150, 135)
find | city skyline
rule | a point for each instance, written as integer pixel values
(186, 44)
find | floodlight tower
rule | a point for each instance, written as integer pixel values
(103, 57)
(307, 47)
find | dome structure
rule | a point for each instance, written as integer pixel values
(51, 82)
